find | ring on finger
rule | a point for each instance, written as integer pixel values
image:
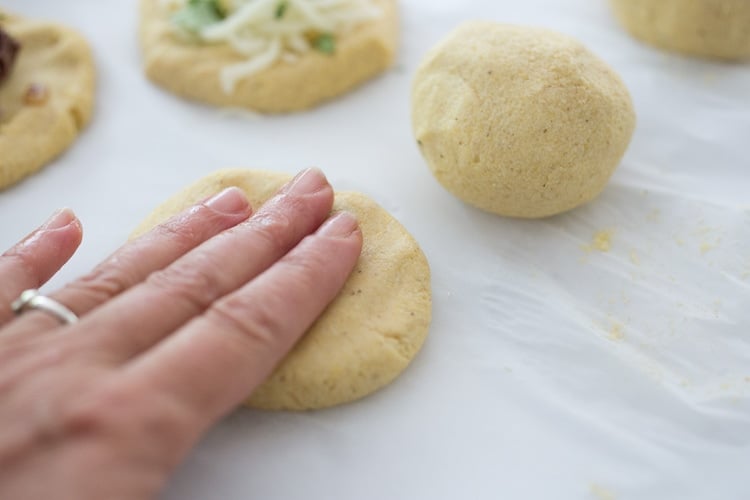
(33, 300)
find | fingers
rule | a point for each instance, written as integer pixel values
(171, 297)
(135, 261)
(217, 360)
(34, 260)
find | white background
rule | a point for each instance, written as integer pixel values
(551, 370)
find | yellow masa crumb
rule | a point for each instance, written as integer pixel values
(634, 257)
(707, 247)
(601, 493)
(616, 333)
(602, 241)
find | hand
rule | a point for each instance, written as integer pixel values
(176, 329)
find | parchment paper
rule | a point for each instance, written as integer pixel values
(603, 354)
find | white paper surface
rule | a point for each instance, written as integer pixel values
(551, 371)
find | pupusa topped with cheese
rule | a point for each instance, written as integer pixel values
(266, 55)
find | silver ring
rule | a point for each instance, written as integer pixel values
(32, 299)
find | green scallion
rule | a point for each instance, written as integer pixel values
(325, 43)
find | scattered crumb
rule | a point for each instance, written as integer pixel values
(616, 333)
(601, 493)
(634, 258)
(725, 386)
(602, 241)
(747, 379)
(653, 215)
(679, 241)
(707, 247)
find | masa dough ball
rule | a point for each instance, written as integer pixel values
(369, 333)
(705, 28)
(191, 69)
(58, 61)
(519, 121)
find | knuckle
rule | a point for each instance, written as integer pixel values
(178, 231)
(91, 415)
(255, 326)
(275, 228)
(305, 267)
(104, 282)
(114, 413)
(197, 284)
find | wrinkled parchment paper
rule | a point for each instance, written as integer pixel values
(602, 354)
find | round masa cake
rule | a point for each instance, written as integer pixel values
(706, 28)
(369, 333)
(519, 121)
(191, 69)
(57, 62)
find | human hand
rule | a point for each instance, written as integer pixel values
(176, 328)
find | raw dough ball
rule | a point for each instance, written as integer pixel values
(371, 331)
(519, 121)
(706, 28)
(192, 70)
(36, 126)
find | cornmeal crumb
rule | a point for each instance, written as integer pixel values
(634, 258)
(601, 493)
(602, 241)
(616, 333)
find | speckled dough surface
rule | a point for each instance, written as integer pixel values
(519, 121)
(373, 329)
(706, 28)
(58, 59)
(192, 70)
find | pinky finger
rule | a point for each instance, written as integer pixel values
(36, 258)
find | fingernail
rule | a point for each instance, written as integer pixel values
(59, 219)
(231, 201)
(341, 225)
(308, 181)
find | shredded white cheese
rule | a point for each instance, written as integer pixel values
(267, 31)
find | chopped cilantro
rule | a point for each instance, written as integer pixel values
(325, 43)
(197, 14)
(281, 9)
